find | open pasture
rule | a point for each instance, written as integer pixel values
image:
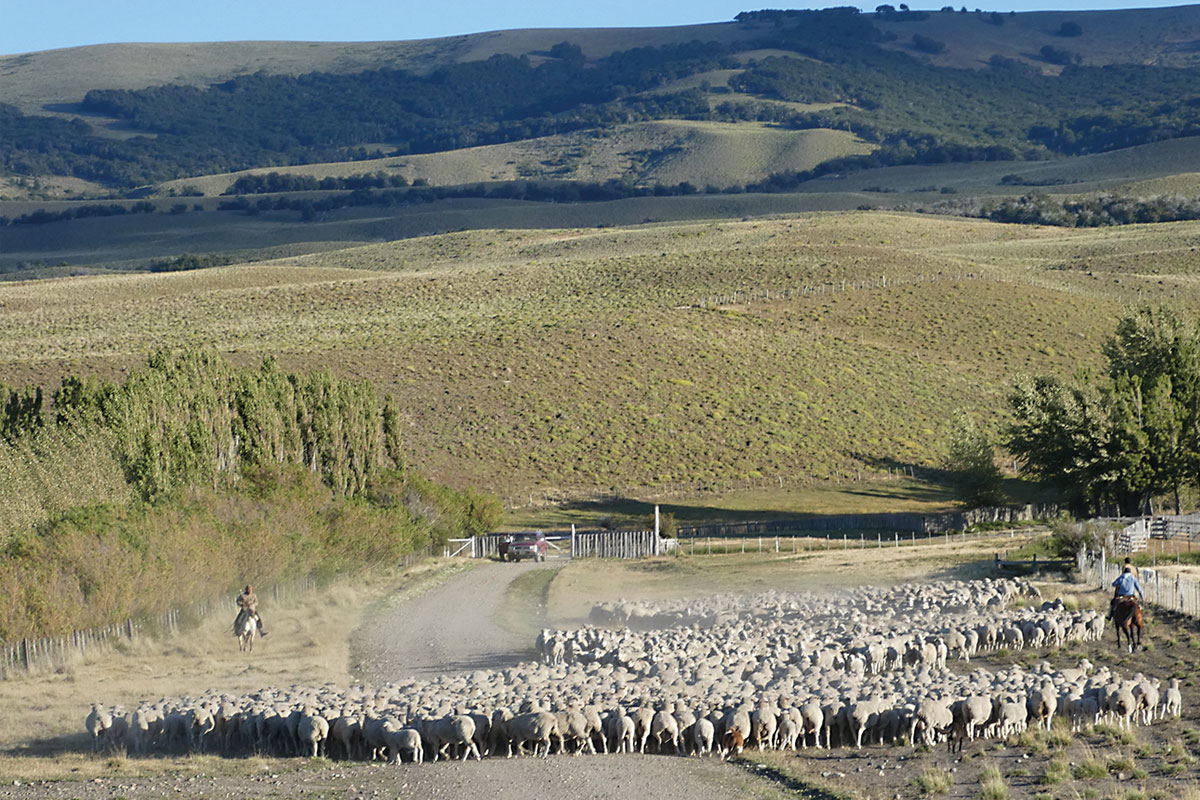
(1157, 760)
(663, 152)
(564, 362)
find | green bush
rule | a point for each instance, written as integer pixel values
(1091, 769)
(934, 781)
(1057, 771)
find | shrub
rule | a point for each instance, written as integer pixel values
(1058, 55)
(1120, 764)
(925, 44)
(1057, 771)
(1091, 768)
(1060, 736)
(1113, 734)
(1067, 537)
(993, 789)
(934, 781)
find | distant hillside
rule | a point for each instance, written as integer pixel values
(718, 154)
(1161, 36)
(913, 87)
(61, 78)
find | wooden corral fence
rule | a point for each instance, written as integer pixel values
(588, 544)
(1035, 564)
(1174, 592)
(617, 544)
(1135, 537)
(52, 652)
(488, 546)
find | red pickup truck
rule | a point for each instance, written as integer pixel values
(528, 545)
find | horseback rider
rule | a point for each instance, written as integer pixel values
(247, 603)
(1125, 585)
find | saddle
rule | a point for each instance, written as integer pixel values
(1127, 600)
(243, 614)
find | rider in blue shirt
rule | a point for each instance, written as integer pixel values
(1126, 584)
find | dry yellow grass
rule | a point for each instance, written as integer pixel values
(309, 643)
(570, 361)
(648, 153)
(1186, 183)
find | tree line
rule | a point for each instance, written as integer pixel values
(1108, 444)
(887, 97)
(192, 418)
(1091, 211)
(194, 475)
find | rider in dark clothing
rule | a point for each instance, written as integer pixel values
(247, 603)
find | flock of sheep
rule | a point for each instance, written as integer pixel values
(775, 670)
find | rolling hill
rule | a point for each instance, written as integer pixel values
(587, 261)
(678, 355)
(912, 88)
(647, 153)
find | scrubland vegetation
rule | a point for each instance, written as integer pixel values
(683, 356)
(190, 475)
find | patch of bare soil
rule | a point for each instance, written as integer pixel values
(584, 778)
(453, 627)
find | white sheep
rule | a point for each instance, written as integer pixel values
(405, 740)
(1172, 700)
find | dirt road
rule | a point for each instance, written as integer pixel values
(454, 627)
(484, 617)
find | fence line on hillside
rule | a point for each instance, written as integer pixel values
(899, 522)
(54, 652)
(803, 542)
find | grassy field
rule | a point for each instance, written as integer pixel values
(686, 357)
(1108, 36)
(665, 152)
(1117, 170)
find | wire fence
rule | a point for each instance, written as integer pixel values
(50, 653)
(903, 523)
(858, 540)
(1170, 591)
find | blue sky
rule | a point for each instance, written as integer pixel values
(26, 26)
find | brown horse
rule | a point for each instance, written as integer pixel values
(1127, 615)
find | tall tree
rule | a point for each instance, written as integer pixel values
(1112, 447)
(971, 463)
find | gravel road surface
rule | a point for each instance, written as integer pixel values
(450, 628)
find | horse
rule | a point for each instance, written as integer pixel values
(246, 629)
(1127, 615)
